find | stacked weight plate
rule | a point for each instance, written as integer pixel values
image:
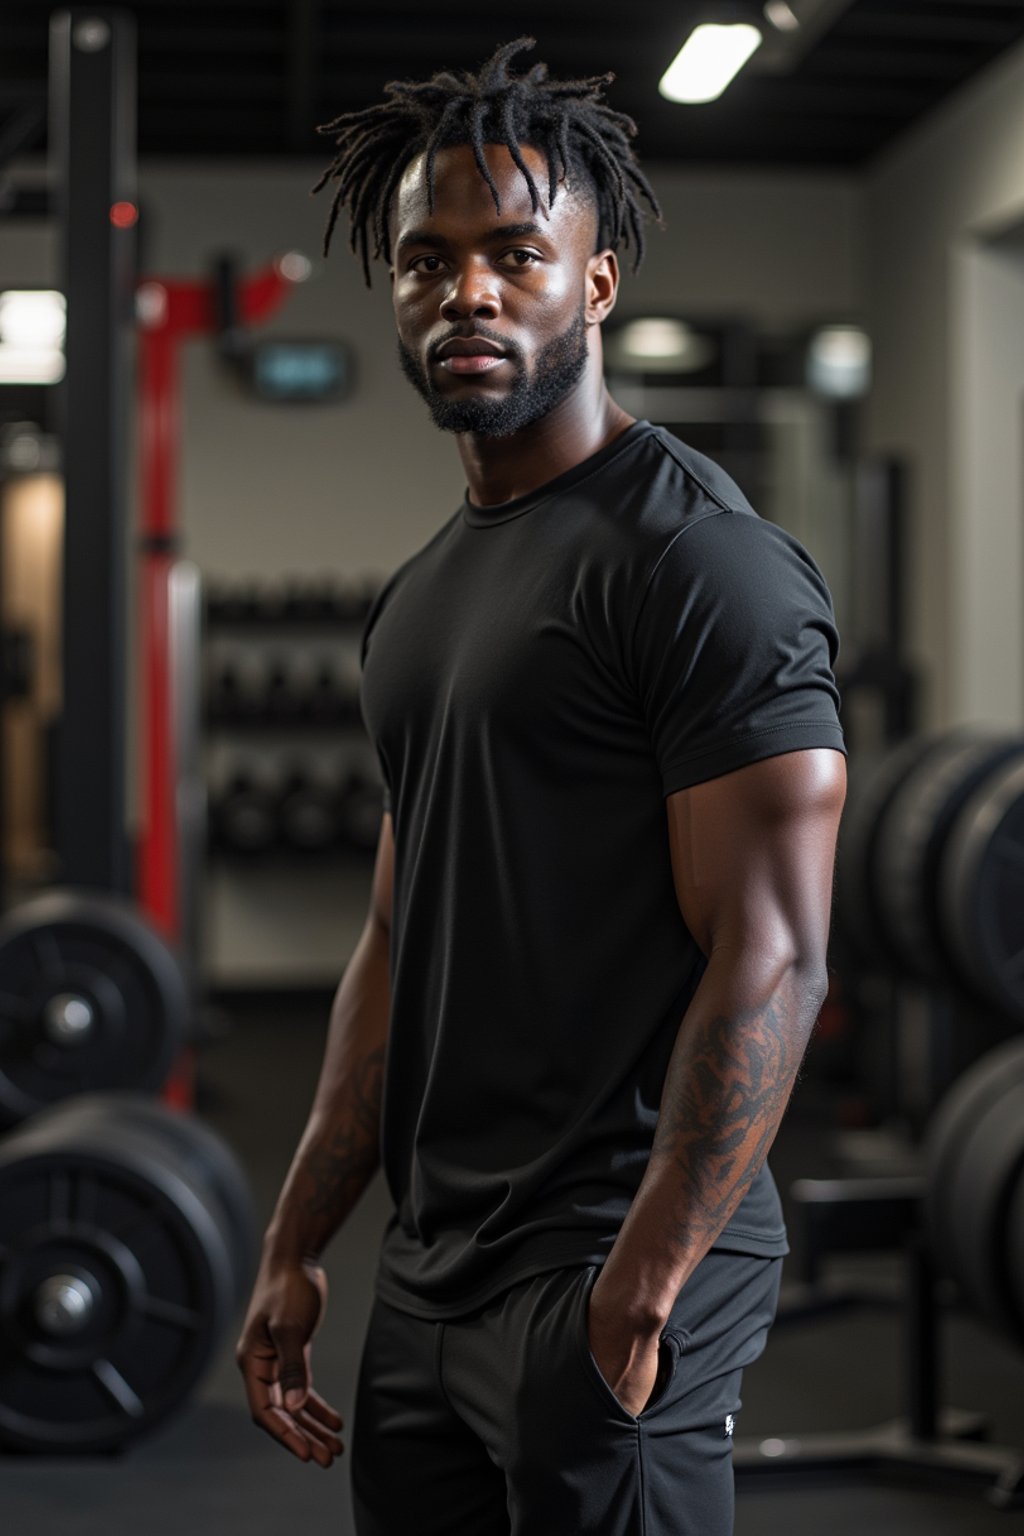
(975, 1203)
(126, 1240)
(931, 864)
(91, 998)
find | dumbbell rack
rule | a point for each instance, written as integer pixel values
(290, 653)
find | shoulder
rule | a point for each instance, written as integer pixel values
(694, 520)
(703, 485)
(407, 570)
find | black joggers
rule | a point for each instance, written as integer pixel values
(499, 1423)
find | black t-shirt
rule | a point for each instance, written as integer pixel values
(537, 679)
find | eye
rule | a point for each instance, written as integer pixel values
(417, 264)
(521, 257)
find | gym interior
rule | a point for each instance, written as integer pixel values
(209, 467)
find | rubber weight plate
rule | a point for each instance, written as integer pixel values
(204, 1157)
(871, 785)
(910, 838)
(982, 887)
(115, 1286)
(91, 997)
(963, 1107)
(982, 1184)
(1015, 1252)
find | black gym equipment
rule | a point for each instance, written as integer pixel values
(982, 879)
(92, 139)
(308, 812)
(126, 1233)
(961, 1219)
(244, 816)
(930, 900)
(928, 1444)
(91, 997)
(911, 838)
(975, 1158)
(872, 784)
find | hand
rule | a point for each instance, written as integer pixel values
(627, 1353)
(273, 1354)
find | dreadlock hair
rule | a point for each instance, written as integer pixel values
(566, 119)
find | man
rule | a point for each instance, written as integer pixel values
(604, 708)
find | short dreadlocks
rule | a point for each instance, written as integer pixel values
(565, 119)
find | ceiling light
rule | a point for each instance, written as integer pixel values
(839, 362)
(711, 56)
(32, 323)
(30, 365)
(32, 317)
(657, 344)
(781, 16)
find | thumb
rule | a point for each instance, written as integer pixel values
(293, 1372)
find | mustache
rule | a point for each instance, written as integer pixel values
(478, 332)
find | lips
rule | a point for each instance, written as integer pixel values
(468, 346)
(469, 355)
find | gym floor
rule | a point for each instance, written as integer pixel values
(209, 1472)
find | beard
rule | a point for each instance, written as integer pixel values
(559, 367)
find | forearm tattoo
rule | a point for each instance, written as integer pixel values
(726, 1089)
(337, 1167)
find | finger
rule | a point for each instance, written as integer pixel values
(323, 1411)
(318, 1435)
(280, 1426)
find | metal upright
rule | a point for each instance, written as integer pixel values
(92, 149)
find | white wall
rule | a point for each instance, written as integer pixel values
(946, 382)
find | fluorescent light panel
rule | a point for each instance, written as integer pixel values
(32, 323)
(711, 56)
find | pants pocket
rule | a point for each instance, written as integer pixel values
(671, 1345)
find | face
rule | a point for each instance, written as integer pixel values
(496, 312)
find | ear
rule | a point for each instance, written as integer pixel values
(602, 286)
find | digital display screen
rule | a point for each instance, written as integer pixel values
(301, 370)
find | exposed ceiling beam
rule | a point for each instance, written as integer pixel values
(303, 54)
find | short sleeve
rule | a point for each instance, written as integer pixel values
(364, 643)
(733, 649)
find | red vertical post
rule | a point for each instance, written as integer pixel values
(170, 312)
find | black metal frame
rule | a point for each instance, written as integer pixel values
(92, 139)
(929, 1442)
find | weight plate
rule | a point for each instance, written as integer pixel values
(911, 835)
(964, 1105)
(872, 782)
(204, 1157)
(989, 1165)
(1015, 1254)
(982, 887)
(115, 1287)
(91, 997)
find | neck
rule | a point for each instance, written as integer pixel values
(500, 469)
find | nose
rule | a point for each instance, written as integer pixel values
(471, 291)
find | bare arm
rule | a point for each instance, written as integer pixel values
(752, 858)
(335, 1160)
(340, 1148)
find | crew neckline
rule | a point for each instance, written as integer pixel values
(505, 511)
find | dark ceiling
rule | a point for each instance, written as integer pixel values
(252, 77)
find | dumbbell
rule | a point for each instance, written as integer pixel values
(308, 811)
(244, 815)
